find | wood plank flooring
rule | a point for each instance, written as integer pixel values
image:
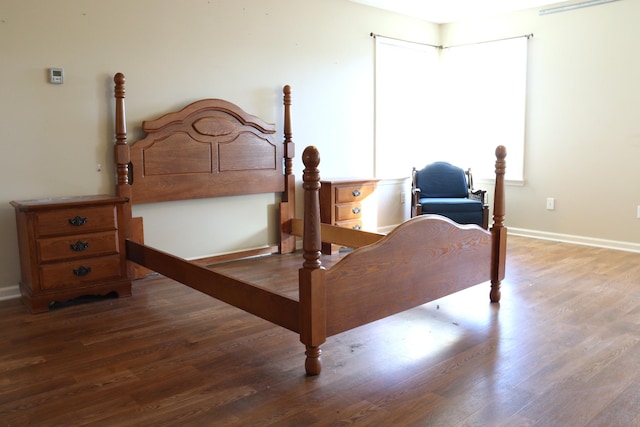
(561, 349)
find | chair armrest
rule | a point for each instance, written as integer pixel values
(478, 195)
(475, 194)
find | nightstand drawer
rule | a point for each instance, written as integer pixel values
(73, 273)
(354, 224)
(76, 220)
(341, 204)
(78, 246)
(353, 193)
(348, 211)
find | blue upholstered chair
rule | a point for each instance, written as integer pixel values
(444, 189)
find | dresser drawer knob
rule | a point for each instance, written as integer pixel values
(357, 227)
(79, 246)
(78, 221)
(82, 271)
(356, 193)
(355, 210)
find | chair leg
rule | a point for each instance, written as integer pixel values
(485, 217)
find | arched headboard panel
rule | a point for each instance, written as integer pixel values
(210, 148)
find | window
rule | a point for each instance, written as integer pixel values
(484, 106)
(474, 100)
(407, 85)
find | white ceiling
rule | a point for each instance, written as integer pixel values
(444, 11)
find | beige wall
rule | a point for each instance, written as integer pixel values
(174, 52)
(583, 131)
(583, 137)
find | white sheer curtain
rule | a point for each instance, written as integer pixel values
(406, 105)
(455, 104)
(484, 106)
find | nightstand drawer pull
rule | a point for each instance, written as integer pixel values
(79, 246)
(356, 210)
(357, 227)
(82, 271)
(356, 193)
(78, 221)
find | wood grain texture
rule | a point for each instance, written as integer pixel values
(71, 247)
(421, 260)
(217, 149)
(210, 148)
(247, 296)
(340, 235)
(562, 349)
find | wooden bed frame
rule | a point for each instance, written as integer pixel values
(216, 149)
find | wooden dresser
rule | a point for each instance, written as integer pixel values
(340, 204)
(70, 247)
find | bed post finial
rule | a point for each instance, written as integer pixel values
(311, 184)
(499, 205)
(121, 148)
(498, 230)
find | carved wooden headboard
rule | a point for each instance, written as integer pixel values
(210, 148)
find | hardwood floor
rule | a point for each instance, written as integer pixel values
(561, 349)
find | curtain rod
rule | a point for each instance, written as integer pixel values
(528, 36)
(374, 35)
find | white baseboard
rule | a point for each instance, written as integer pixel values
(577, 240)
(9, 292)
(558, 237)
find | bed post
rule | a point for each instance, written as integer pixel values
(313, 323)
(498, 230)
(287, 207)
(121, 154)
(132, 226)
(121, 149)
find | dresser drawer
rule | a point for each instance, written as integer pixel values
(354, 224)
(76, 220)
(353, 193)
(78, 246)
(73, 273)
(348, 211)
(341, 204)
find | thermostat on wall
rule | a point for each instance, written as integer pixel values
(56, 75)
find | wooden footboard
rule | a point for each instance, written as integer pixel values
(423, 259)
(419, 261)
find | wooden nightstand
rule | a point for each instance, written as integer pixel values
(340, 204)
(70, 247)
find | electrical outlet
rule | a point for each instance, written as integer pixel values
(551, 203)
(402, 199)
(638, 212)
